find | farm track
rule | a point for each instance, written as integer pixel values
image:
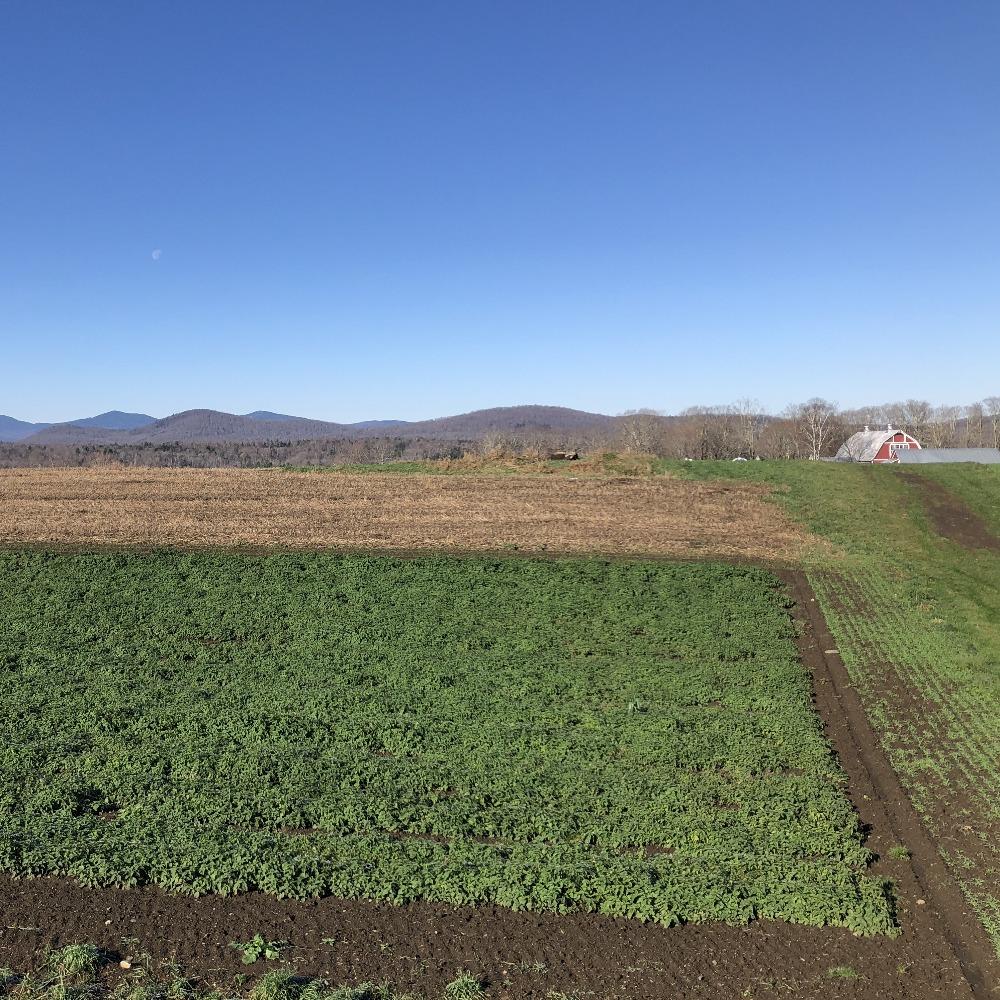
(421, 946)
(951, 516)
(272, 509)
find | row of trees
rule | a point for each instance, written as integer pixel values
(231, 454)
(813, 429)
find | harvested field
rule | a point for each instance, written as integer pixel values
(208, 508)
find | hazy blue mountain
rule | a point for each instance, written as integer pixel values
(272, 417)
(12, 429)
(115, 420)
(195, 425)
(214, 425)
(269, 415)
(511, 420)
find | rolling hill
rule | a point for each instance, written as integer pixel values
(115, 420)
(510, 420)
(12, 429)
(264, 425)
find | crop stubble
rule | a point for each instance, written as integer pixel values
(207, 508)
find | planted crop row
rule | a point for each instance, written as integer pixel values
(635, 739)
(916, 616)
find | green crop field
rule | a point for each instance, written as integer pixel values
(917, 620)
(630, 738)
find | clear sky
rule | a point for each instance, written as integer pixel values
(352, 210)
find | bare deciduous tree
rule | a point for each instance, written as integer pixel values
(641, 432)
(941, 428)
(917, 415)
(750, 419)
(973, 437)
(992, 405)
(815, 419)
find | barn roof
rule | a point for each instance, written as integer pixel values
(864, 446)
(985, 456)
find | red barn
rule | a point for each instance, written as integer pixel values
(876, 446)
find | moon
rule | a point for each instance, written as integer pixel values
(156, 254)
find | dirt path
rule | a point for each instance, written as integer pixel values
(951, 516)
(526, 956)
(210, 508)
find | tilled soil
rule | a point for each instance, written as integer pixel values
(521, 955)
(207, 508)
(421, 947)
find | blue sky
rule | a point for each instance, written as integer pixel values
(395, 209)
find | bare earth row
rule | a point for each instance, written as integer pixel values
(207, 508)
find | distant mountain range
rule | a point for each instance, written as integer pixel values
(116, 427)
(115, 420)
(16, 430)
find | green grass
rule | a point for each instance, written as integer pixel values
(465, 986)
(463, 730)
(75, 960)
(917, 620)
(63, 978)
(842, 972)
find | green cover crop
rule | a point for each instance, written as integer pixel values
(630, 738)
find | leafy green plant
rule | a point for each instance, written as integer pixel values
(258, 947)
(233, 701)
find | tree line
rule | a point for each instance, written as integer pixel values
(812, 429)
(231, 454)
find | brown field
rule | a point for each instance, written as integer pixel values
(207, 508)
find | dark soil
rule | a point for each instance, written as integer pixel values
(421, 947)
(951, 516)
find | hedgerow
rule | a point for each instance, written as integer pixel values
(634, 739)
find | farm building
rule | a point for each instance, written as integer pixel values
(876, 446)
(984, 456)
